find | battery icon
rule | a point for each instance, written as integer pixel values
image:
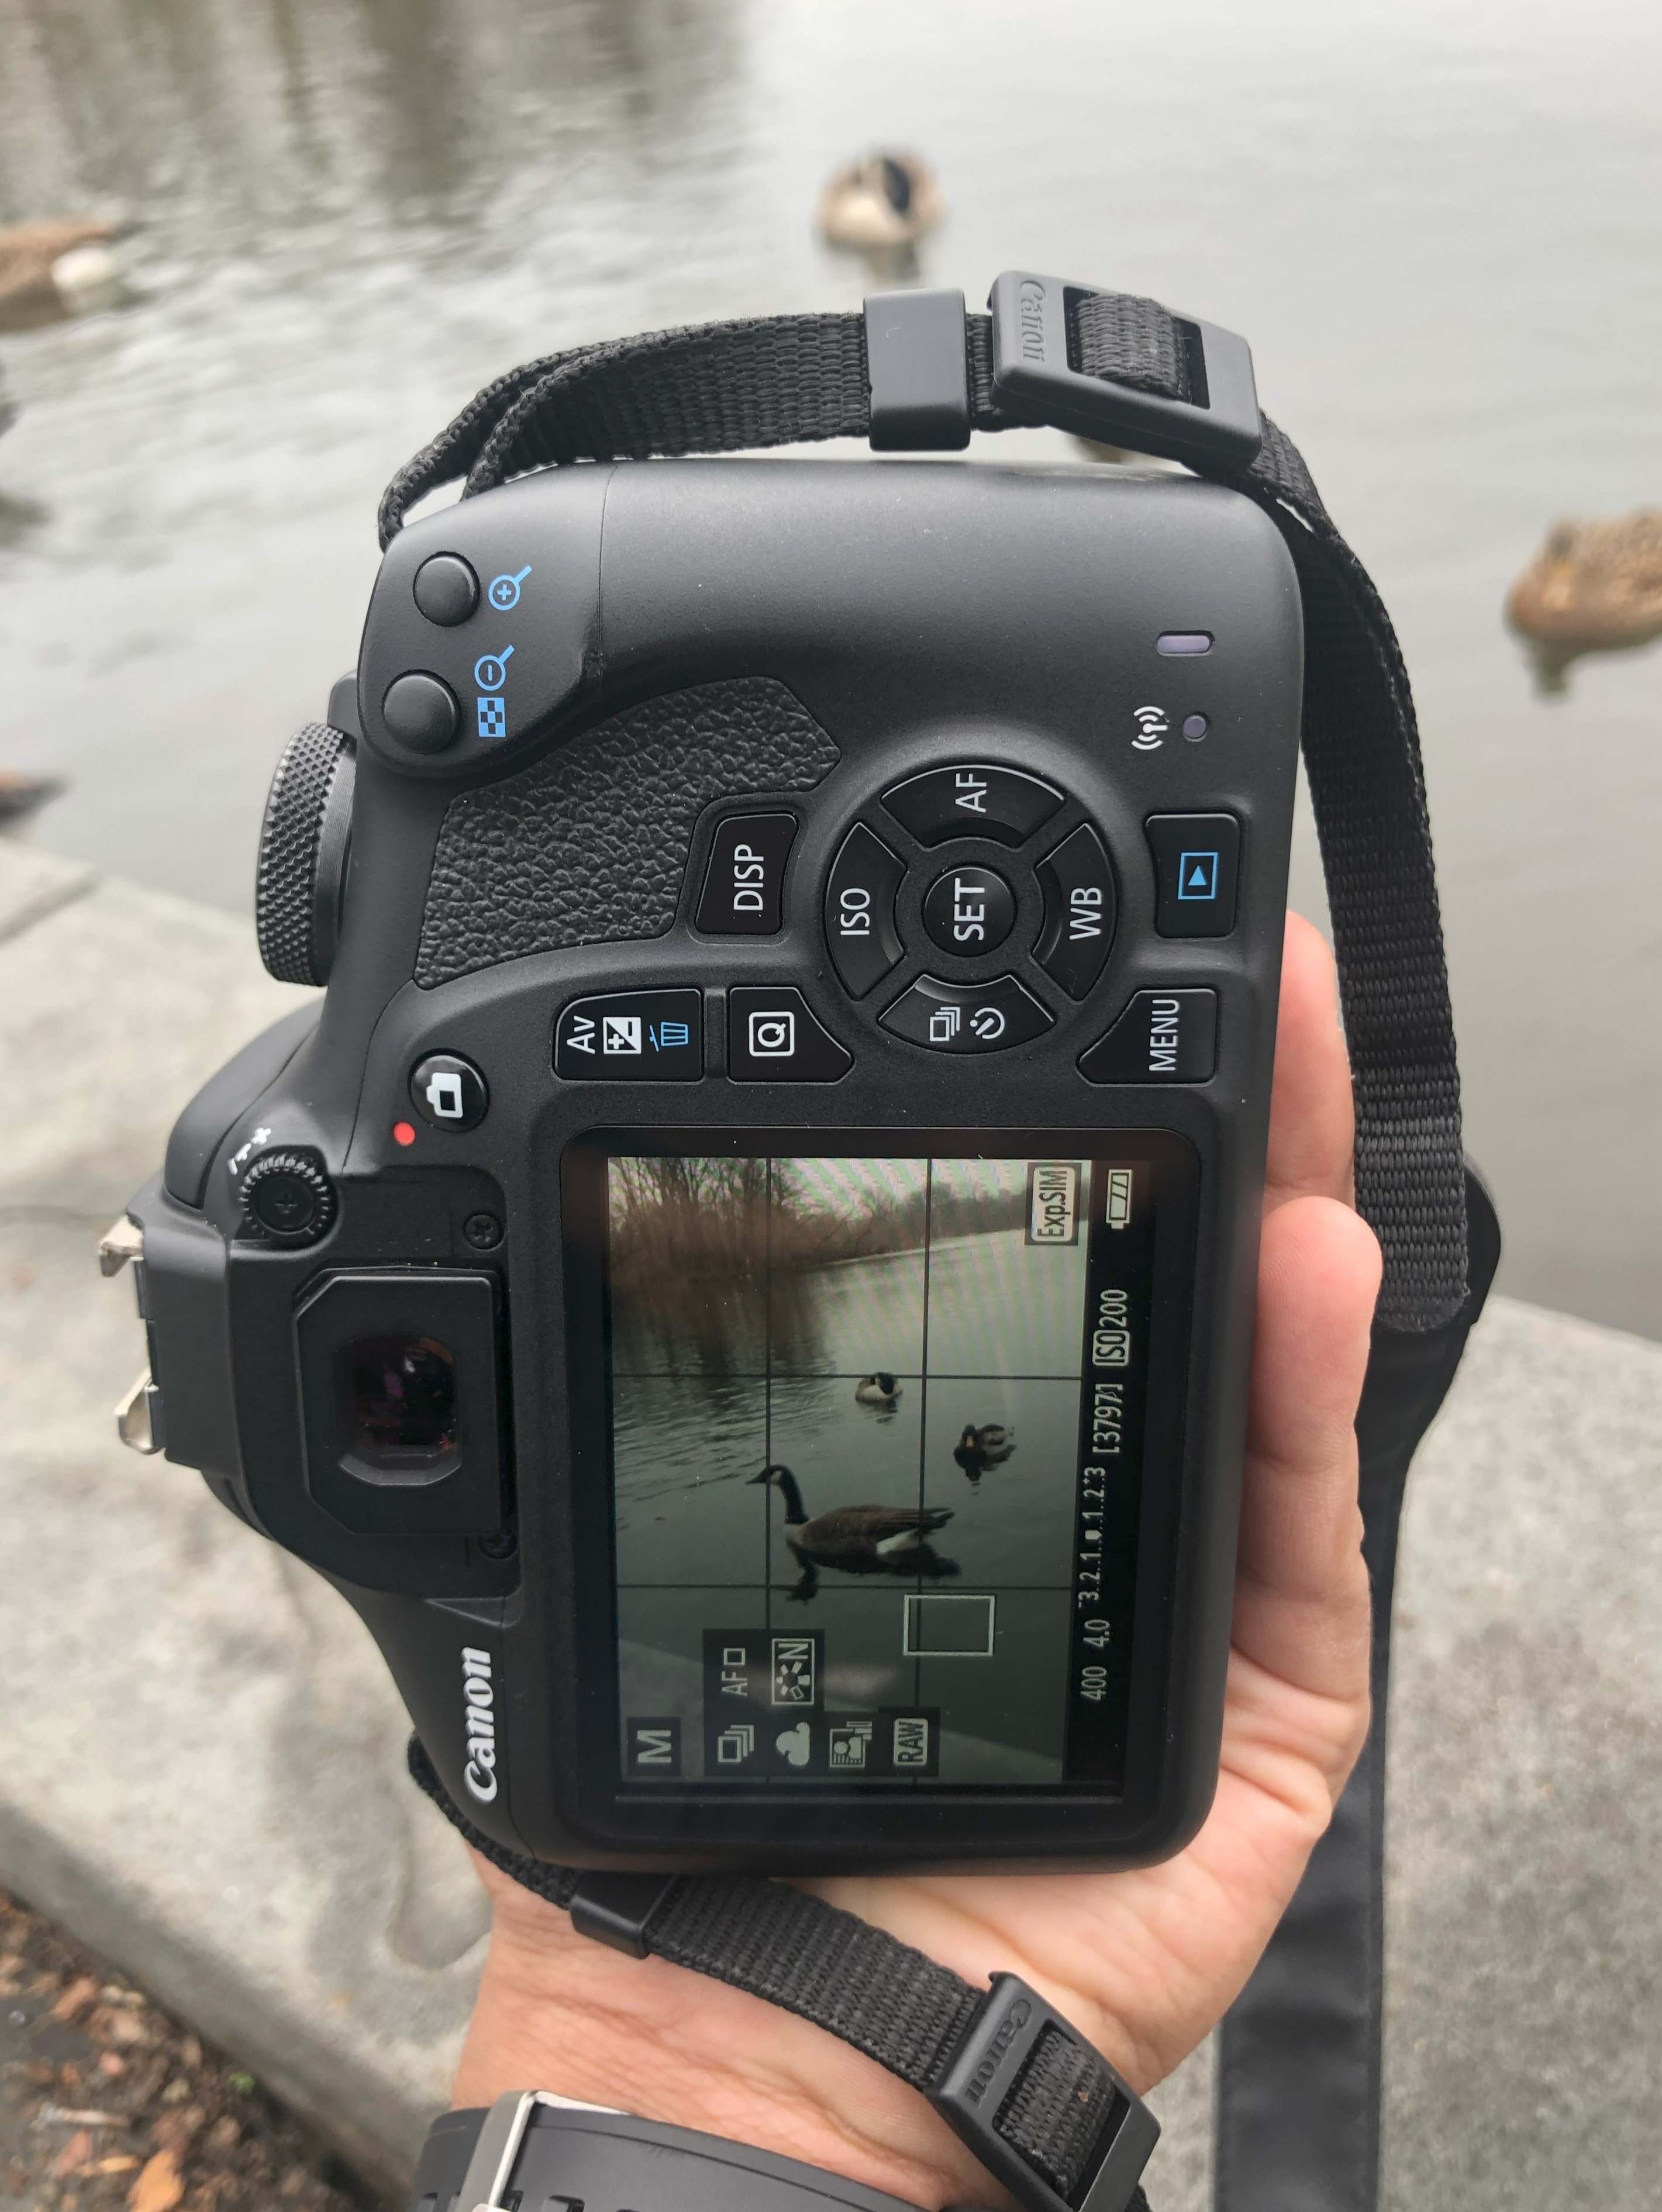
(1119, 1198)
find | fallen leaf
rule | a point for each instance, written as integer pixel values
(77, 2148)
(123, 2164)
(75, 1999)
(125, 2028)
(190, 2051)
(108, 2063)
(158, 2186)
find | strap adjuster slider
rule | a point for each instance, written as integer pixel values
(1034, 375)
(1025, 2087)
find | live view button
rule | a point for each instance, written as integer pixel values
(1163, 1037)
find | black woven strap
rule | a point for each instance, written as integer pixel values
(812, 1959)
(721, 387)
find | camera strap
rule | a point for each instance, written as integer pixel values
(1298, 2126)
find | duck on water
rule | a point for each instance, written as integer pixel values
(978, 1448)
(858, 1540)
(879, 1390)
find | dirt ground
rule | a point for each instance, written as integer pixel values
(108, 2105)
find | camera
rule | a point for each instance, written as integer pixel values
(745, 1282)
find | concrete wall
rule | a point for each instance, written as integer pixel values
(201, 1759)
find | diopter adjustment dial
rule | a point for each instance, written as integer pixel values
(305, 843)
(287, 1197)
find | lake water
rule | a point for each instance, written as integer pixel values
(1439, 227)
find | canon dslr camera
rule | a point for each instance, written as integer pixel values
(745, 1281)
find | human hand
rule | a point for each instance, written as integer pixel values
(1144, 1963)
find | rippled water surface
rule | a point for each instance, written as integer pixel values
(1441, 229)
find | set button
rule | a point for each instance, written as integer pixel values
(859, 917)
(1196, 862)
(974, 801)
(966, 1016)
(969, 911)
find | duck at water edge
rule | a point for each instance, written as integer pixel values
(879, 1390)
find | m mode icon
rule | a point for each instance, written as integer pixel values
(1053, 1202)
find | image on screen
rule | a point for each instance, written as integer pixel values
(875, 1449)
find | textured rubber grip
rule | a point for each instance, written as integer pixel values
(303, 845)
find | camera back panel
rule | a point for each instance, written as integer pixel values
(803, 1024)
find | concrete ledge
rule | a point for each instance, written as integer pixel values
(201, 1759)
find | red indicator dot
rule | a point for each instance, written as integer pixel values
(404, 1132)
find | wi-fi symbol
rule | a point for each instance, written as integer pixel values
(1153, 728)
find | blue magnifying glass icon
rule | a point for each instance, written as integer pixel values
(504, 591)
(490, 669)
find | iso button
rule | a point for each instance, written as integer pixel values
(860, 929)
(449, 1092)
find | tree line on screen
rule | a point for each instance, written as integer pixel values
(686, 1220)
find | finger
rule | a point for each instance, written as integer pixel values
(1301, 1604)
(1311, 1123)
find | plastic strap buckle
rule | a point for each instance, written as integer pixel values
(985, 2077)
(917, 372)
(1031, 375)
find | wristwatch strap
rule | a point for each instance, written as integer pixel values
(531, 2152)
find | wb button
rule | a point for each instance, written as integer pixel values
(773, 1037)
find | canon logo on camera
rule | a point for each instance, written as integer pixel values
(480, 1708)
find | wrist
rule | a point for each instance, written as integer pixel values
(558, 2012)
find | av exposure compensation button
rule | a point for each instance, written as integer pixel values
(775, 1037)
(1196, 859)
(966, 1016)
(746, 875)
(1163, 1037)
(860, 929)
(1080, 906)
(969, 910)
(632, 1037)
(974, 801)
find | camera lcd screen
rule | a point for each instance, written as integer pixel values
(878, 1437)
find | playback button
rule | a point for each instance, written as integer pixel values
(966, 1016)
(632, 1037)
